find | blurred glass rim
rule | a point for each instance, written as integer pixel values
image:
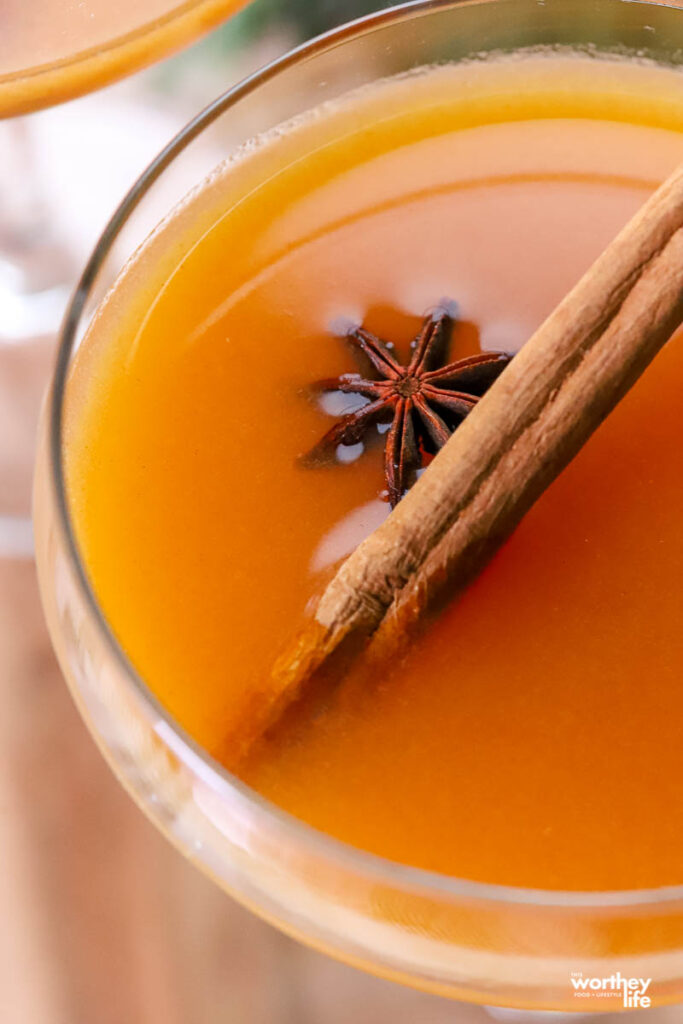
(222, 782)
(122, 54)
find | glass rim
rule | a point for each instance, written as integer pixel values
(154, 29)
(184, 746)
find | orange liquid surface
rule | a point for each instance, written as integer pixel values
(534, 734)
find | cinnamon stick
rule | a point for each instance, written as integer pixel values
(521, 434)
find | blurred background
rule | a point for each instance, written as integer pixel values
(101, 921)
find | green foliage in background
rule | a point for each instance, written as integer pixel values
(308, 17)
(305, 18)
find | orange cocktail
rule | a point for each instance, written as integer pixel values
(51, 50)
(532, 736)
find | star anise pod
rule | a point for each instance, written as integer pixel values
(423, 401)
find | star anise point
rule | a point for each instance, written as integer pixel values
(425, 399)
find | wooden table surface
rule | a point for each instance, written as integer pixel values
(102, 922)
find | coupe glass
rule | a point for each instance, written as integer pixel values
(484, 943)
(50, 51)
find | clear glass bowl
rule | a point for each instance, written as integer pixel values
(64, 54)
(484, 943)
